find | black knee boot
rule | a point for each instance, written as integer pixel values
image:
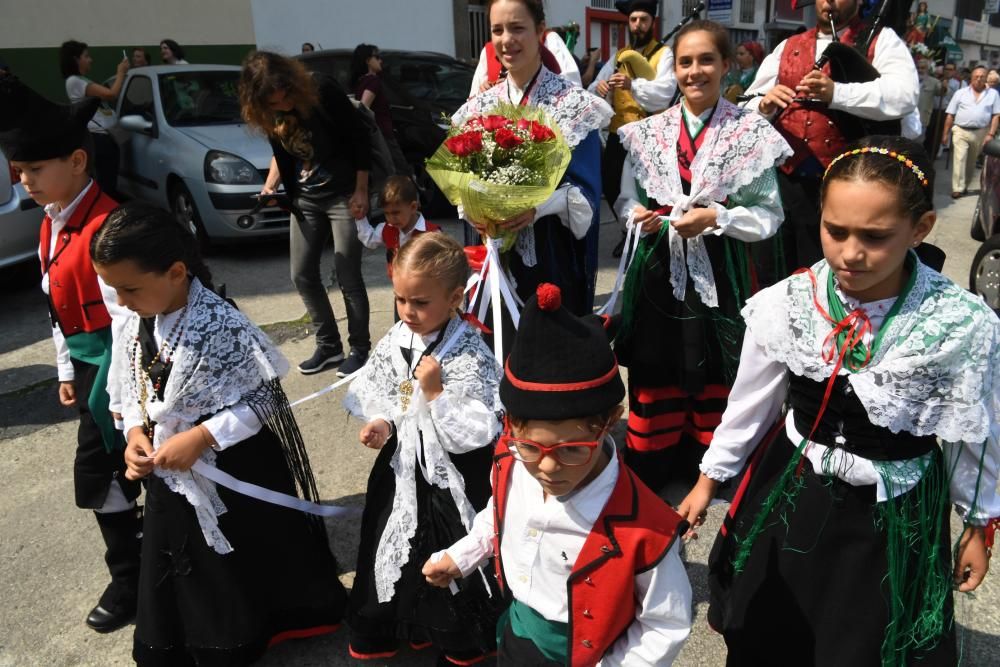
(122, 532)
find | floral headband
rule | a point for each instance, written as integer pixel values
(917, 171)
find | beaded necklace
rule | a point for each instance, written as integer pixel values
(143, 378)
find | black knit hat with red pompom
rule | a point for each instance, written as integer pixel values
(561, 366)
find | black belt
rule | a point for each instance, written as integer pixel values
(973, 128)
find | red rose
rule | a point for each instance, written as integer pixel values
(464, 144)
(506, 138)
(541, 133)
(524, 124)
(475, 123)
(495, 122)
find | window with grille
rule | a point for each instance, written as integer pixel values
(479, 28)
(602, 4)
(747, 10)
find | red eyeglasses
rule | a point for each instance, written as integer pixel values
(573, 453)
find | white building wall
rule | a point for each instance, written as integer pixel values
(47, 23)
(426, 25)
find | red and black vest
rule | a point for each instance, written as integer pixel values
(390, 238)
(76, 304)
(632, 535)
(811, 130)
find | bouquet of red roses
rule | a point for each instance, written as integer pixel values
(500, 164)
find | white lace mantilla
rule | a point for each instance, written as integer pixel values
(738, 147)
(936, 371)
(220, 358)
(576, 112)
(463, 418)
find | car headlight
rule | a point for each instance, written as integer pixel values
(229, 169)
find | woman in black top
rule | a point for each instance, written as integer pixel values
(366, 82)
(322, 155)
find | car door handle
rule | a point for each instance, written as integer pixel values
(401, 106)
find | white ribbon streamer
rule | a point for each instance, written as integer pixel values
(269, 496)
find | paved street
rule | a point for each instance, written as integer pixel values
(52, 568)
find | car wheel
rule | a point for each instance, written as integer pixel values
(977, 232)
(184, 209)
(984, 278)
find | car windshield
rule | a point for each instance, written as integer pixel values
(200, 98)
(439, 82)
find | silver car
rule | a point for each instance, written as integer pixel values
(20, 220)
(185, 147)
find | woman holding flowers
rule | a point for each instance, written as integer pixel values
(556, 241)
(699, 186)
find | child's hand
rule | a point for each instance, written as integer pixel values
(646, 220)
(971, 561)
(694, 507)
(442, 572)
(67, 393)
(375, 434)
(428, 374)
(138, 454)
(695, 221)
(180, 451)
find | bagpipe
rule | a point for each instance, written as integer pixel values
(849, 64)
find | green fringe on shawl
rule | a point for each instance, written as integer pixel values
(918, 595)
(784, 493)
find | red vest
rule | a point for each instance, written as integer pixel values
(76, 304)
(493, 67)
(811, 130)
(632, 534)
(390, 238)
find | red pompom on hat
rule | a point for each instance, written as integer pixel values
(549, 297)
(560, 366)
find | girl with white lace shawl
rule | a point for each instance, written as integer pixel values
(699, 183)
(557, 242)
(428, 395)
(837, 552)
(223, 575)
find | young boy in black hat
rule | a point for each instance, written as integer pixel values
(47, 145)
(585, 552)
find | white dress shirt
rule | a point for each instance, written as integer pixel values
(652, 95)
(972, 113)
(228, 427)
(371, 237)
(543, 537)
(755, 403)
(118, 313)
(893, 95)
(554, 43)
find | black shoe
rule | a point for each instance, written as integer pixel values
(321, 359)
(355, 360)
(101, 620)
(619, 249)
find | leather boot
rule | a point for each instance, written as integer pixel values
(122, 532)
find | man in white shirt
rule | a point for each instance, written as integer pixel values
(970, 120)
(787, 78)
(633, 96)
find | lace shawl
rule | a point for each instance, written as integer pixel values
(739, 147)
(936, 372)
(220, 359)
(463, 421)
(576, 112)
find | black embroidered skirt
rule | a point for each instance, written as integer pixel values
(198, 606)
(461, 624)
(814, 588)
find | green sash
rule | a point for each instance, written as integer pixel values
(550, 637)
(95, 348)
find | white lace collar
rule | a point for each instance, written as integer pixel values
(576, 111)
(936, 371)
(738, 146)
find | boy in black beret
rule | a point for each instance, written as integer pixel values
(47, 145)
(585, 553)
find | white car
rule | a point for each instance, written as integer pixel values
(20, 219)
(185, 147)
